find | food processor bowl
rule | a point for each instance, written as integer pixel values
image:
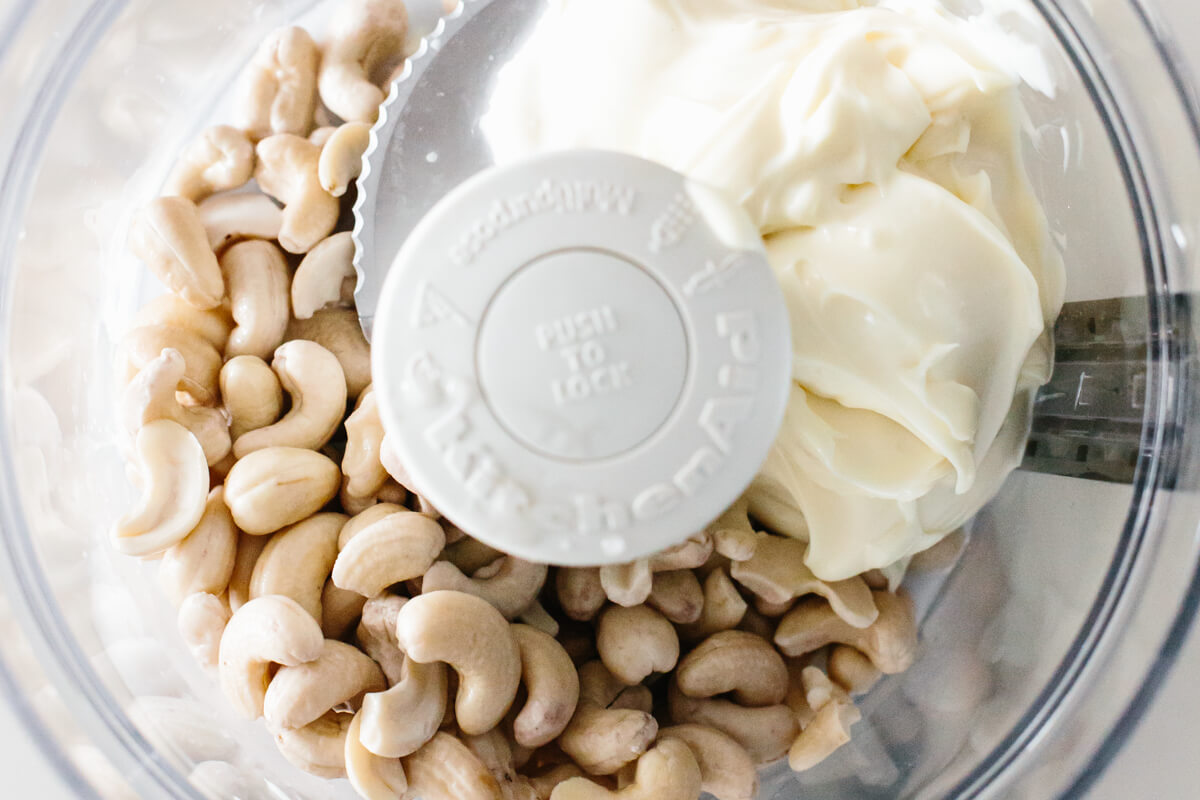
(1048, 624)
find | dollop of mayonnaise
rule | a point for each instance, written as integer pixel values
(876, 146)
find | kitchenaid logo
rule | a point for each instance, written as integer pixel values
(550, 197)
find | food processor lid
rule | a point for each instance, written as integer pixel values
(582, 358)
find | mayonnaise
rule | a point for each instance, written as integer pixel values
(876, 148)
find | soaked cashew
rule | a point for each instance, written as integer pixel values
(313, 378)
(471, 636)
(202, 362)
(212, 325)
(287, 170)
(668, 772)
(552, 685)
(339, 332)
(340, 610)
(297, 562)
(169, 238)
(257, 275)
(325, 277)
(689, 554)
(778, 574)
(173, 476)
(249, 548)
(470, 555)
(496, 752)
(318, 748)
(602, 737)
(737, 662)
(397, 547)
(766, 733)
(636, 642)
(342, 157)
(511, 589)
(732, 534)
(273, 488)
(364, 472)
(445, 769)
(723, 608)
(203, 561)
(265, 631)
(321, 135)
(399, 721)
(627, 584)
(544, 783)
(366, 37)
(220, 160)
(376, 634)
(151, 396)
(580, 592)
(726, 770)
(278, 88)
(772, 610)
(829, 729)
(230, 218)
(373, 777)
(536, 616)
(302, 693)
(252, 394)
(890, 643)
(677, 595)
(852, 670)
(202, 619)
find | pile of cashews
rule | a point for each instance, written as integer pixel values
(335, 603)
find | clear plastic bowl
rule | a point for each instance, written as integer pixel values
(1040, 650)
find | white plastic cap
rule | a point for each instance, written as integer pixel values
(582, 359)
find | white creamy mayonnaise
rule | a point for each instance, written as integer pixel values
(876, 147)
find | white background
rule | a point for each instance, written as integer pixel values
(1159, 763)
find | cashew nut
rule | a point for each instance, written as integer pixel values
(325, 277)
(318, 748)
(551, 683)
(829, 729)
(395, 548)
(366, 37)
(852, 670)
(470, 555)
(249, 548)
(342, 157)
(445, 769)
(212, 325)
(580, 592)
(536, 616)
(689, 554)
(496, 752)
(399, 473)
(890, 642)
(201, 621)
(627, 584)
(737, 662)
(732, 534)
(635, 642)
(511, 589)
(544, 783)
(321, 135)
(470, 635)
(151, 396)
(313, 378)
(273, 488)
(373, 777)
(766, 733)
(278, 89)
(772, 610)
(668, 772)
(202, 362)
(677, 595)
(797, 696)
(723, 608)
(756, 623)
(287, 170)
(778, 574)
(300, 694)
(203, 561)
(220, 160)
(726, 770)
(399, 721)
(376, 635)
(251, 393)
(602, 738)
(169, 238)
(340, 610)
(265, 631)
(339, 331)
(297, 562)
(257, 275)
(364, 472)
(230, 218)
(173, 476)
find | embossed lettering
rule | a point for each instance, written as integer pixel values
(698, 470)
(721, 417)
(431, 307)
(741, 328)
(655, 501)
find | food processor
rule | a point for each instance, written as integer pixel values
(1045, 633)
